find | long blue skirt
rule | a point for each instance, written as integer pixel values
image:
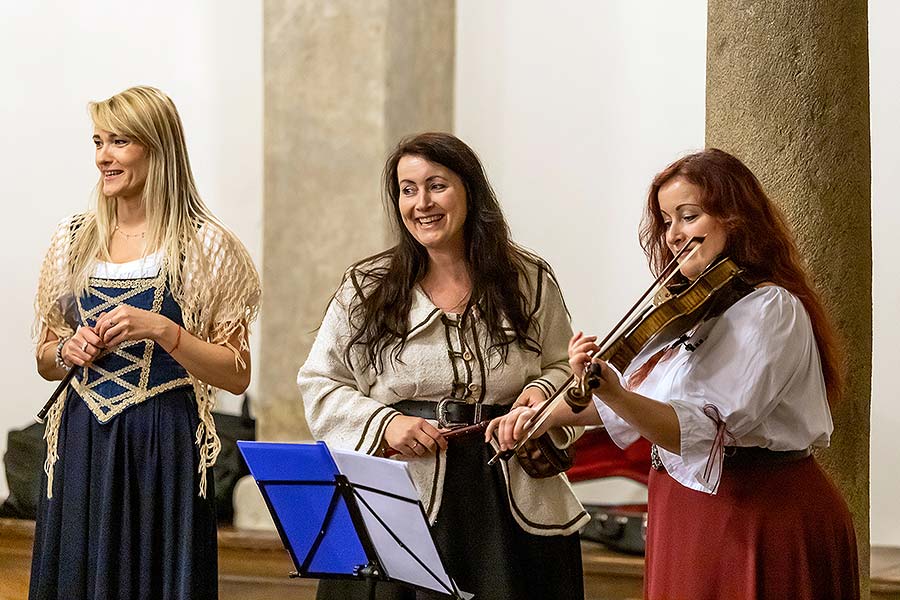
(126, 520)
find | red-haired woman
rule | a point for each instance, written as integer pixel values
(738, 507)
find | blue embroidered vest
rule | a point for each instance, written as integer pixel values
(134, 370)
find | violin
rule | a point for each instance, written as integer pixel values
(675, 309)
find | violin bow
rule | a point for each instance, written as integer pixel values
(42, 414)
(547, 408)
(454, 432)
(67, 378)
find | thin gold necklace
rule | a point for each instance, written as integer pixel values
(132, 236)
(448, 309)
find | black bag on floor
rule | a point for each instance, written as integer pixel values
(230, 465)
(620, 527)
(23, 463)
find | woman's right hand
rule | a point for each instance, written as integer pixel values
(580, 346)
(413, 436)
(82, 348)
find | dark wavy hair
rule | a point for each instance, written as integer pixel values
(497, 266)
(758, 239)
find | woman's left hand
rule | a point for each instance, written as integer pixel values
(510, 427)
(530, 397)
(125, 323)
(610, 387)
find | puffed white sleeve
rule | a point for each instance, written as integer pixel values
(334, 393)
(758, 352)
(620, 431)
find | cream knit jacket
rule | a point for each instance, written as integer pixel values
(349, 407)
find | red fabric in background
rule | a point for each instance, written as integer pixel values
(597, 456)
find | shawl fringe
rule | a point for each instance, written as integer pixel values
(219, 296)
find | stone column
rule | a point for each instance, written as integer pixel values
(787, 92)
(344, 80)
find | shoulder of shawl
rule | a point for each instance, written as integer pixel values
(68, 228)
(219, 276)
(222, 253)
(55, 284)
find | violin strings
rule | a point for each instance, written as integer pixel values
(544, 412)
(664, 278)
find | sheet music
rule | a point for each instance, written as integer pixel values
(300, 483)
(390, 476)
(405, 518)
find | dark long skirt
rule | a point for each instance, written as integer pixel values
(125, 520)
(772, 531)
(484, 549)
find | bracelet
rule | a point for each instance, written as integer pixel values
(177, 341)
(60, 362)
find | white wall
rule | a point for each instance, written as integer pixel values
(575, 106)
(55, 56)
(884, 88)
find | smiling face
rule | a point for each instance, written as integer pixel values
(684, 217)
(432, 204)
(123, 165)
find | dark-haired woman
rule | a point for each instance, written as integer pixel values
(452, 325)
(738, 507)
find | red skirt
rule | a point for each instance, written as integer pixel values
(775, 530)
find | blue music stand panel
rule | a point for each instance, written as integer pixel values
(296, 462)
(298, 482)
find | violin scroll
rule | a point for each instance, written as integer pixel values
(579, 396)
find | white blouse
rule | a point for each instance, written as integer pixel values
(147, 266)
(750, 377)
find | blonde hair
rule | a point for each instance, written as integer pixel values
(173, 207)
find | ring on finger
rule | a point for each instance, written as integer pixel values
(415, 444)
(84, 347)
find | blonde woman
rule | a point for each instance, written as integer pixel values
(149, 297)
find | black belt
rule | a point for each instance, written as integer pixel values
(745, 455)
(754, 455)
(449, 412)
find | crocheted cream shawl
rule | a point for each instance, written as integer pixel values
(219, 297)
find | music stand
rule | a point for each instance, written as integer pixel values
(347, 515)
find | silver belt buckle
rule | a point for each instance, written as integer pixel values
(442, 415)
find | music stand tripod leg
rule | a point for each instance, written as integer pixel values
(372, 574)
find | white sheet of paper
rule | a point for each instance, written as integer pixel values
(404, 517)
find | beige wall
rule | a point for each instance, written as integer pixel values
(344, 81)
(884, 94)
